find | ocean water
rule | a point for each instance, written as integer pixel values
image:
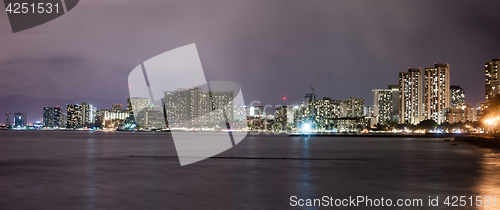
(122, 170)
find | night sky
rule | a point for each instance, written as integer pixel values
(271, 48)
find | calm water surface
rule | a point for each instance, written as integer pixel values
(95, 170)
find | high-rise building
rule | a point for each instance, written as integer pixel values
(138, 104)
(8, 119)
(395, 102)
(492, 81)
(382, 105)
(457, 95)
(354, 107)
(58, 117)
(410, 96)
(87, 112)
(20, 119)
(437, 92)
(318, 113)
(198, 107)
(48, 117)
(64, 120)
(74, 119)
(285, 116)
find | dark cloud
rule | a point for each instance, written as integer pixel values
(271, 48)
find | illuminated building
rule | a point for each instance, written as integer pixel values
(151, 119)
(52, 117)
(285, 116)
(383, 105)
(492, 82)
(58, 117)
(354, 107)
(64, 120)
(351, 124)
(198, 107)
(482, 107)
(463, 114)
(470, 113)
(255, 111)
(410, 96)
(48, 117)
(437, 92)
(87, 112)
(457, 99)
(138, 104)
(73, 116)
(20, 119)
(8, 119)
(240, 112)
(395, 102)
(319, 113)
(112, 118)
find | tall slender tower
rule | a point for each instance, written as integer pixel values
(48, 117)
(73, 119)
(410, 96)
(58, 116)
(437, 92)
(492, 86)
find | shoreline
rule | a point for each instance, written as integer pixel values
(485, 141)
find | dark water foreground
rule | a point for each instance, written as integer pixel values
(95, 170)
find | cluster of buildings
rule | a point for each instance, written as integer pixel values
(422, 94)
(20, 119)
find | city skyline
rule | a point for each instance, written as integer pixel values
(432, 83)
(354, 43)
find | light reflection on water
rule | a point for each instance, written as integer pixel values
(489, 181)
(305, 186)
(91, 188)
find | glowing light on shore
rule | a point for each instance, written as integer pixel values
(306, 128)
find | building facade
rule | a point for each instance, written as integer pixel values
(20, 119)
(138, 104)
(437, 92)
(197, 107)
(457, 95)
(319, 113)
(461, 114)
(354, 107)
(73, 116)
(382, 105)
(48, 117)
(113, 117)
(492, 82)
(410, 96)
(58, 117)
(87, 112)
